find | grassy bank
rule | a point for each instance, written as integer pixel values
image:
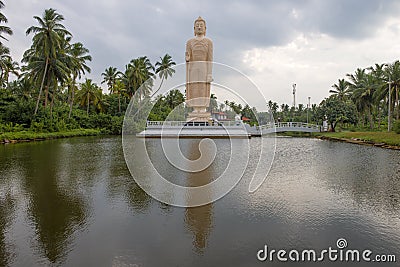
(13, 137)
(381, 138)
(294, 134)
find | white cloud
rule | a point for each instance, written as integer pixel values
(276, 43)
(315, 61)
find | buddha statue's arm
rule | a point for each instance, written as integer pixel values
(187, 53)
(209, 61)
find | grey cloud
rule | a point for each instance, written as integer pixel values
(117, 31)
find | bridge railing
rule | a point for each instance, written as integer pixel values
(289, 125)
(278, 125)
(186, 123)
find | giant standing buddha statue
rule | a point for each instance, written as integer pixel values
(199, 57)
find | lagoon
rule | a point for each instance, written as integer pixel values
(73, 202)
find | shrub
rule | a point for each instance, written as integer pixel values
(396, 127)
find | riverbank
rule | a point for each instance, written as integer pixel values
(389, 140)
(27, 136)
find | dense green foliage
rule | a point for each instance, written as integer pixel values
(45, 96)
(334, 111)
(396, 127)
(49, 93)
(362, 100)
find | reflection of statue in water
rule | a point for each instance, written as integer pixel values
(199, 57)
(199, 220)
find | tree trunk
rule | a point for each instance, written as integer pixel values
(51, 104)
(46, 93)
(41, 86)
(371, 121)
(379, 117)
(72, 97)
(333, 125)
(119, 102)
(72, 102)
(87, 108)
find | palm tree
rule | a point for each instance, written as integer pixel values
(100, 101)
(47, 41)
(138, 77)
(341, 89)
(363, 95)
(164, 69)
(89, 92)
(110, 77)
(78, 55)
(4, 29)
(119, 87)
(393, 73)
(4, 59)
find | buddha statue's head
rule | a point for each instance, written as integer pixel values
(200, 27)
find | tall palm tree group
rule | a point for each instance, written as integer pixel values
(53, 65)
(7, 65)
(52, 60)
(138, 77)
(368, 89)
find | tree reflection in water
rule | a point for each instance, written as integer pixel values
(55, 206)
(7, 207)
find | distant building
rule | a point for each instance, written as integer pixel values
(245, 119)
(219, 116)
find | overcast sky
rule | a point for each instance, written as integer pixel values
(275, 43)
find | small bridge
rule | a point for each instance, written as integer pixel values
(220, 128)
(289, 127)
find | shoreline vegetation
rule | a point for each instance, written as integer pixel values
(27, 136)
(46, 95)
(389, 140)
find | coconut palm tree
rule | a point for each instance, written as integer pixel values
(393, 73)
(119, 88)
(363, 96)
(5, 58)
(4, 29)
(110, 77)
(89, 92)
(78, 55)
(138, 77)
(48, 40)
(341, 89)
(164, 69)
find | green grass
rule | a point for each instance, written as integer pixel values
(389, 138)
(27, 135)
(294, 134)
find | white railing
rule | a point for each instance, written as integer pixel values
(290, 125)
(280, 125)
(189, 123)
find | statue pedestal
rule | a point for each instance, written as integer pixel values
(199, 117)
(197, 129)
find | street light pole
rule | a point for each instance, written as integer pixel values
(294, 95)
(308, 107)
(294, 100)
(389, 113)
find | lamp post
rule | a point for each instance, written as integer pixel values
(308, 107)
(389, 113)
(294, 100)
(389, 99)
(294, 95)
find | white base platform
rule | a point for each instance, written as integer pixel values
(193, 131)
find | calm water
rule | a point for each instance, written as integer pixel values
(72, 202)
